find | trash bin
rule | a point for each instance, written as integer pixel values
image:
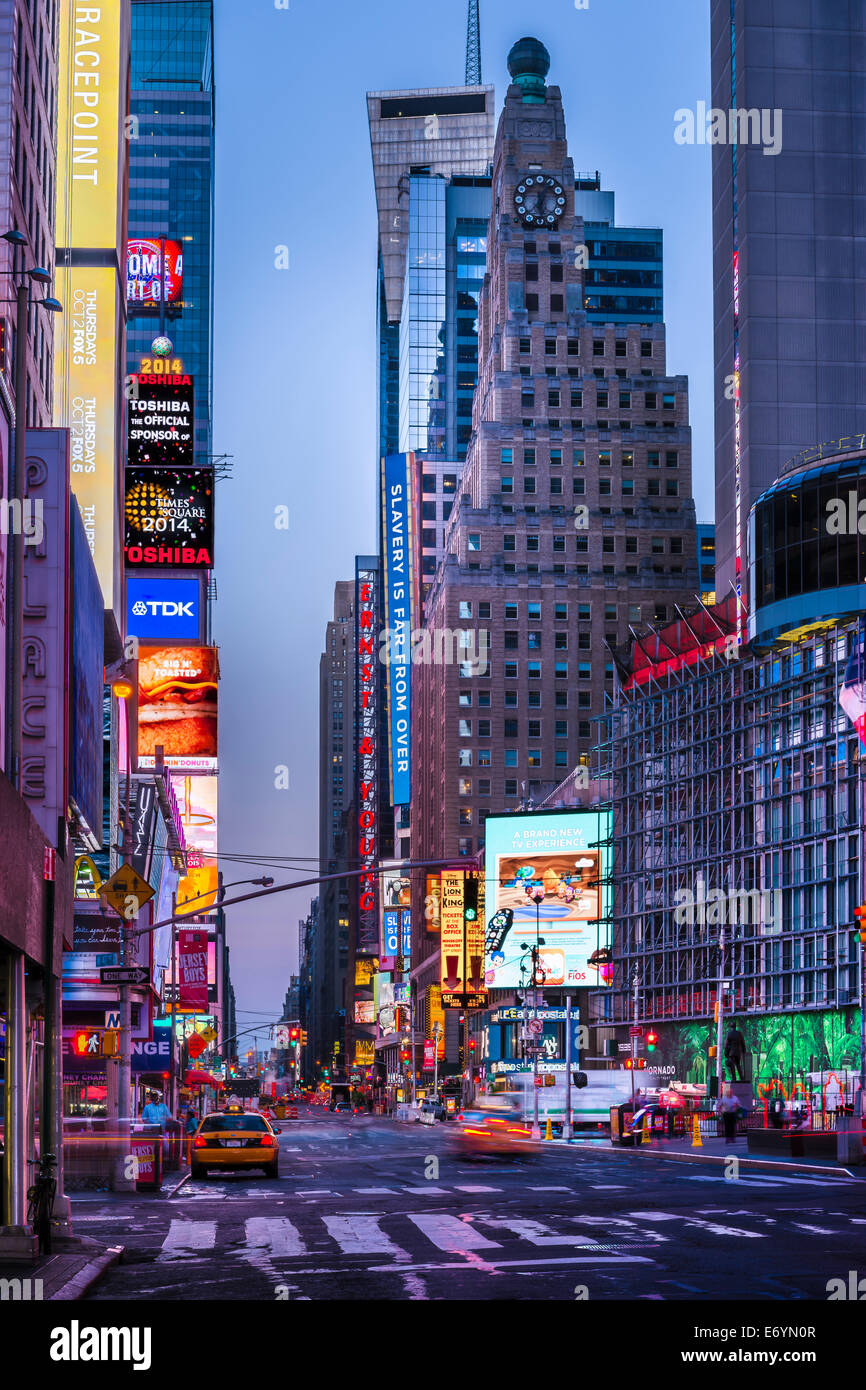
(620, 1122)
(147, 1151)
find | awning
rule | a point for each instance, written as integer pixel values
(202, 1078)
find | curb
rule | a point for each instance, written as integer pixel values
(774, 1165)
(175, 1190)
(92, 1272)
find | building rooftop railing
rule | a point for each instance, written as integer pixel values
(849, 444)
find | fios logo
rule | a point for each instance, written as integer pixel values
(165, 609)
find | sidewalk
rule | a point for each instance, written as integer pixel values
(64, 1276)
(712, 1150)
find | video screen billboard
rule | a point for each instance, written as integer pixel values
(562, 857)
(163, 610)
(160, 421)
(177, 707)
(154, 272)
(169, 518)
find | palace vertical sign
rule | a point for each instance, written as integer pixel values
(367, 750)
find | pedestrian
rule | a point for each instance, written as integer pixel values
(727, 1109)
(156, 1112)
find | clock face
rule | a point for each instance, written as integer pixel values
(539, 200)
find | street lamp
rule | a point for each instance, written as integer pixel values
(21, 280)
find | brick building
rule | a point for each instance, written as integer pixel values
(573, 521)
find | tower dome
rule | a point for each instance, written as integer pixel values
(529, 64)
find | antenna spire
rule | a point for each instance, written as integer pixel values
(473, 46)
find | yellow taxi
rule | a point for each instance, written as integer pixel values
(235, 1138)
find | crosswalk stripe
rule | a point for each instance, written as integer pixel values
(362, 1235)
(425, 1191)
(474, 1187)
(276, 1235)
(710, 1226)
(450, 1234)
(374, 1191)
(187, 1237)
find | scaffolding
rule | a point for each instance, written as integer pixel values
(735, 796)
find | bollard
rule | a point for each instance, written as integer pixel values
(548, 1132)
(697, 1141)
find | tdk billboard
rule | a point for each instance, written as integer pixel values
(166, 610)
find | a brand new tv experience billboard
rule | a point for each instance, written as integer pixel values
(565, 853)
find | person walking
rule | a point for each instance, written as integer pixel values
(727, 1108)
(156, 1112)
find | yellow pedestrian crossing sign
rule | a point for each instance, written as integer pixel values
(208, 1034)
(126, 892)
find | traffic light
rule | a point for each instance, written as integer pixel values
(470, 899)
(629, 1063)
(860, 914)
(713, 1050)
(303, 1037)
(652, 1039)
(111, 1043)
(294, 1036)
(640, 1063)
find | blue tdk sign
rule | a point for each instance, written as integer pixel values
(164, 609)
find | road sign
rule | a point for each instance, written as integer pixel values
(209, 1035)
(126, 892)
(635, 1031)
(124, 975)
(196, 1045)
(281, 1036)
(535, 1027)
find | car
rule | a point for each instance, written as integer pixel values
(344, 1106)
(494, 1126)
(232, 1139)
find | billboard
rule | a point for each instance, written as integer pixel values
(168, 518)
(163, 610)
(562, 856)
(154, 272)
(400, 611)
(197, 800)
(85, 741)
(367, 751)
(160, 421)
(177, 707)
(86, 373)
(461, 956)
(91, 98)
(192, 961)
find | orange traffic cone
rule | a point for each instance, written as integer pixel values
(697, 1141)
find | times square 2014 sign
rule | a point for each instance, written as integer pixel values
(367, 759)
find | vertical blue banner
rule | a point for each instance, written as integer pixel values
(399, 589)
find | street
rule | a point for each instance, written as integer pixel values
(368, 1208)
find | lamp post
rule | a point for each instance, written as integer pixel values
(123, 689)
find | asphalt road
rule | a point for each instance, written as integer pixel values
(369, 1208)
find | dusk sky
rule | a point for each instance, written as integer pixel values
(295, 368)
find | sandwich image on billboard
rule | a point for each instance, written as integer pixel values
(154, 272)
(160, 421)
(177, 707)
(169, 518)
(558, 862)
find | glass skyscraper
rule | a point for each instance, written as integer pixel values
(171, 158)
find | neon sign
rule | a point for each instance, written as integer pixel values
(367, 758)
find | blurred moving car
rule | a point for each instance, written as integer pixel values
(494, 1126)
(343, 1106)
(231, 1139)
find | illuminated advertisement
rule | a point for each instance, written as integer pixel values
(365, 969)
(177, 707)
(462, 943)
(367, 751)
(163, 610)
(160, 421)
(192, 961)
(86, 370)
(365, 1011)
(90, 150)
(197, 801)
(169, 518)
(548, 870)
(365, 1051)
(400, 609)
(154, 272)
(397, 934)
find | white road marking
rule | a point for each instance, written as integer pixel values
(423, 1191)
(816, 1230)
(474, 1187)
(607, 1187)
(374, 1191)
(186, 1237)
(274, 1234)
(711, 1226)
(551, 1189)
(537, 1233)
(449, 1234)
(361, 1235)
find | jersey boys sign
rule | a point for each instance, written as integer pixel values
(169, 518)
(367, 752)
(160, 420)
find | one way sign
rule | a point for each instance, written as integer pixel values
(124, 975)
